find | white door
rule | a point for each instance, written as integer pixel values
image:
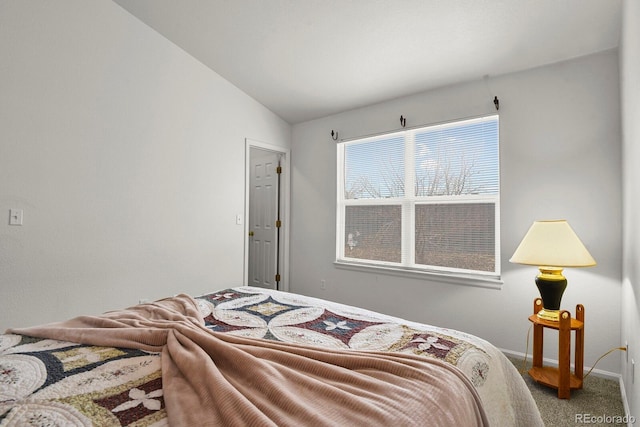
(263, 213)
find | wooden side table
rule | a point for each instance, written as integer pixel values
(561, 377)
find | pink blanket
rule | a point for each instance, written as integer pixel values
(213, 379)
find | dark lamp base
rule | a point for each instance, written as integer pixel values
(551, 284)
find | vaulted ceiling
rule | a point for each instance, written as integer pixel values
(305, 59)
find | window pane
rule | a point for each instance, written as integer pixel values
(373, 232)
(374, 169)
(456, 235)
(458, 158)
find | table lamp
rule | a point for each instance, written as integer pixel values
(552, 245)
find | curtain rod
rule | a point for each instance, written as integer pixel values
(403, 121)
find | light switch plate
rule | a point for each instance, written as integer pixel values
(15, 216)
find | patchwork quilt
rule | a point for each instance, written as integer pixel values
(47, 382)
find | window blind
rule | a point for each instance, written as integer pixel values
(425, 198)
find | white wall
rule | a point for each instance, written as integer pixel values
(127, 157)
(630, 94)
(560, 158)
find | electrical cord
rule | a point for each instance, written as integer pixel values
(601, 357)
(526, 353)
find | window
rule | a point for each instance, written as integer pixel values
(424, 199)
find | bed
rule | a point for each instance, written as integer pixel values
(252, 356)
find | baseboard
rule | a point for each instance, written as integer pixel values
(625, 404)
(551, 362)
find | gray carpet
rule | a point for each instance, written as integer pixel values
(599, 398)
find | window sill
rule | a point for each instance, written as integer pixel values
(490, 282)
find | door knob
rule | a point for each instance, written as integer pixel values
(251, 234)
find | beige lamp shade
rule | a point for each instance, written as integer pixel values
(553, 244)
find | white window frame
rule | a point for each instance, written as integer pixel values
(408, 202)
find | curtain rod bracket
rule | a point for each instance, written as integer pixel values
(496, 102)
(403, 121)
(334, 135)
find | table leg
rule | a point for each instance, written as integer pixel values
(564, 355)
(538, 344)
